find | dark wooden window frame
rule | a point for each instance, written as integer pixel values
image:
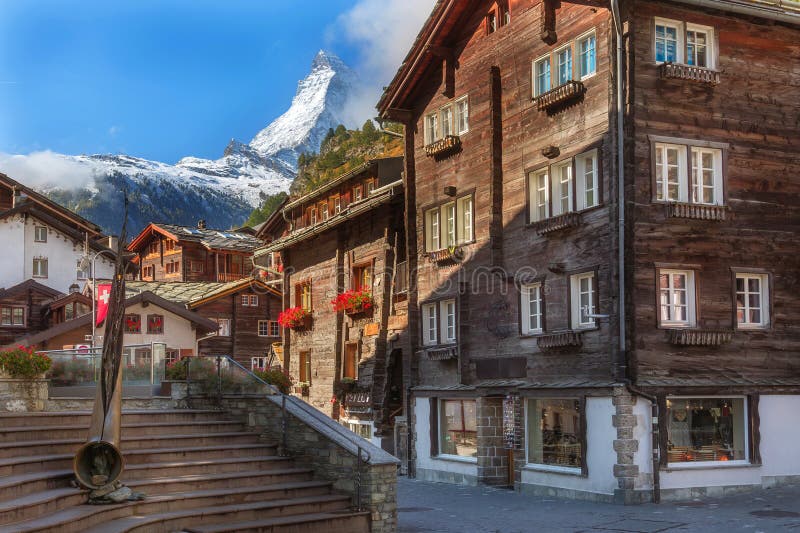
(298, 295)
(572, 156)
(438, 205)
(770, 326)
(357, 358)
(354, 281)
(11, 309)
(688, 144)
(696, 269)
(304, 366)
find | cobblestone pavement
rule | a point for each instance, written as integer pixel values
(437, 507)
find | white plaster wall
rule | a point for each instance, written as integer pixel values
(178, 332)
(600, 455)
(12, 243)
(62, 254)
(422, 417)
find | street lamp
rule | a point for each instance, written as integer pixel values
(84, 263)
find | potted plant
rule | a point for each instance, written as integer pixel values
(174, 382)
(303, 388)
(277, 377)
(353, 302)
(295, 318)
(22, 379)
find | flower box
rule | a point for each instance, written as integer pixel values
(353, 302)
(678, 71)
(453, 254)
(295, 318)
(560, 95)
(450, 143)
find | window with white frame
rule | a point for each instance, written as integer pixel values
(682, 42)
(274, 328)
(39, 267)
(564, 62)
(462, 115)
(337, 204)
(554, 431)
(249, 300)
(689, 173)
(83, 269)
(583, 295)
(224, 329)
(40, 234)
(532, 310)
(752, 300)
(541, 72)
(587, 180)
(587, 55)
(451, 119)
(676, 298)
(711, 430)
(258, 363)
(263, 328)
(450, 224)
(439, 323)
(555, 190)
(12, 316)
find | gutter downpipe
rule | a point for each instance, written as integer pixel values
(622, 364)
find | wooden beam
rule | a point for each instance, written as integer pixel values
(404, 116)
(547, 19)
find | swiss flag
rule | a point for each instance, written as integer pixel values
(103, 295)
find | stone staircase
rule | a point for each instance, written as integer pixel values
(200, 471)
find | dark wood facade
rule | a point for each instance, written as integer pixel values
(357, 245)
(24, 309)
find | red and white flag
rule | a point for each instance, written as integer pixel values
(103, 295)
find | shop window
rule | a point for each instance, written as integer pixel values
(155, 324)
(752, 300)
(707, 430)
(555, 432)
(532, 310)
(458, 433)
(133, 323)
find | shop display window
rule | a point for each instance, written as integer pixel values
(458, 432)
(706, 430)
(554, 432)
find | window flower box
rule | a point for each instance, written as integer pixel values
(555, 341)
(677, 71)
(700, 337)
(453, 254)
(698, 211)
(295, 318)
(557, 223)
(560, 95)
(353, 302)
(450, 143)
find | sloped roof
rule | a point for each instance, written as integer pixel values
(30, 284)
(193, 294)
(212, 239)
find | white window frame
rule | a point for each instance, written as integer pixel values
(224, 329)
(691, 298)
(432, 230)
(258, 359)
(558, 186)
(578, 42)
(439, 322)
(539, 197)
(763, 300)
(274, 328)
(10, 322)
(716, 155)
(531, 293)
(337, 205)
(576, 309)
(430, 329)
(681, 50)
(249, 300)
(450, 224)
(449, 325)
(462, 115)
(662, 176)
(432, 128)
(312, 215)
(571, 62)
(40, 267)
(465, 215)
(39, 233)
(537, 90)
(83, 273)
(263, 326)
(441, 419)
(580, 180)
(446, 120)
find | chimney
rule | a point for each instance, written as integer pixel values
(201, 224)
(112, 241)
(74, 288)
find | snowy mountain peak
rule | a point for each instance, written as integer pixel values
(318, 105)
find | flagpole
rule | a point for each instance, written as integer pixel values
(95, 295)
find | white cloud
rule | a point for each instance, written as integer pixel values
(383, 32)
(113, 130)
(46, 168)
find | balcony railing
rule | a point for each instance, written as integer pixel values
(556, 223)
(560, 95)
(226, 277)
(676, 71)
(562, 339)
(450, 143)
(453, 254)
(700, 337)
(698, 211)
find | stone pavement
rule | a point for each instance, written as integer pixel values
(442, 508)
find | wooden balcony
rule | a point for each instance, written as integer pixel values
(562, 339)
(450, 143)
(557, 223)
(700, 337)
(698, 211)
(560, 95)
(226, 277)
(676, 71)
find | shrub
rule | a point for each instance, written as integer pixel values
(278, 378)
(24, 363)
(176, 370)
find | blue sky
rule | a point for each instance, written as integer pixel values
(163, 79)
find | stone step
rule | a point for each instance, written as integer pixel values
(187, 483)
(56, 432)
(17, 486)
(40, 503)
(175, 469)
(17, 449)
(82, 418)
(335, 522)
(174, 512)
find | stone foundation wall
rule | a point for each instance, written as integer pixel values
(22, 395)
(492, 454)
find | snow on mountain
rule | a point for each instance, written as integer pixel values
(224, 190)
(318, 105)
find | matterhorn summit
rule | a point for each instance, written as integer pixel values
(318, 105)
(222, 191)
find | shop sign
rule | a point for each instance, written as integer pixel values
(509, 423)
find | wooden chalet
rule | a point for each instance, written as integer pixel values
(24, 310)
(245, 311)
(166, 252)
(602, 202)
(347, 240)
